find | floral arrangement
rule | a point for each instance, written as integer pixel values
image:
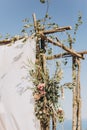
(47, 92)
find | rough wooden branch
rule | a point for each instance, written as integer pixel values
(58, 56)
(60, 29)
(63, 55)
(44, 62)
(8, 41)
(83, 52)
(78, 95)
(74, 103)
(35, 22)
(58, 43)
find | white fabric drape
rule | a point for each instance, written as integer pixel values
(16, 110)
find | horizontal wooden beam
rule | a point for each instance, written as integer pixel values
(59, 29)
(83, 52)
(8, 41)
(63, 55)
(59, 44)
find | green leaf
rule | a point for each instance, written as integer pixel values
(46, 16)
(23, 30)
(50, 51)
(42, 1)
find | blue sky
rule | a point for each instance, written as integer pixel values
(63, 12)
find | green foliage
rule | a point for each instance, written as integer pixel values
(72, 38)
(27, 27)
(79, 22)
(69, 85)
(46, 92)
(49, 51)
(42, 1)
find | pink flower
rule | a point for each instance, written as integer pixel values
(41, 86)
(42, 92)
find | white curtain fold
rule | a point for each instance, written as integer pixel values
(16, 106)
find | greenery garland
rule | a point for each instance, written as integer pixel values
(47, 92)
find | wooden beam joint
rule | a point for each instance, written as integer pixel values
(59, 44)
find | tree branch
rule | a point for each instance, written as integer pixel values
(59, 29)
(58, 43)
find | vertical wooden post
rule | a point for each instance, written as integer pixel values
(37, 52)
(37, 41)
(78, 97)
(35, 22)
(76, 122)
(53, 123)
(43, 57)
(74, 107)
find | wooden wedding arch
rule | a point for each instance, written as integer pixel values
(69, 52)
(76, 58)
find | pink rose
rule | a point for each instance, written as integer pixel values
(41, 86)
